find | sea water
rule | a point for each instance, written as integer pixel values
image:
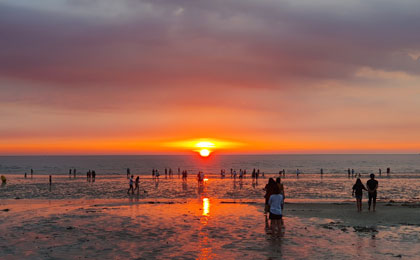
(111, 182)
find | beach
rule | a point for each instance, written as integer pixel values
(140, 228)
(219, 218)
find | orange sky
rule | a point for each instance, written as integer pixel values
(268, 77)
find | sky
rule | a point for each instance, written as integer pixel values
(256, 76)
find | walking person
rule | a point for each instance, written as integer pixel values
(131, 185)
(358, 188)
(137, 187)
(372, 186)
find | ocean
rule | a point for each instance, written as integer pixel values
(310, 186)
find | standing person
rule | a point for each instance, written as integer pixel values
(322, 171)
(275, 203)
(348, 172)
(281, 187)
(153, 173)
(32, 172)
(131, 185)
(128, 173)
(93, 175)
(284, 173)
(358, 188)
(137, 187)
(269, 188)
(69, 173)
(380, 172)
(74, 173)
(352, 172)
(372, 186)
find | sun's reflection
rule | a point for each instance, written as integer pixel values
(206, 206)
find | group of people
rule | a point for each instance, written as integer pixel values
(372, 186)
(72, 171)
(134, 185)
(90, 175)
(274, 203)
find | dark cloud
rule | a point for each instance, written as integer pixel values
(162, 44)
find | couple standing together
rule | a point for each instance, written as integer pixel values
(372, 186)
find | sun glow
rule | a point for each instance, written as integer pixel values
(204, 152)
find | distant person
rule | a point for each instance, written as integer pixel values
(372, 186)
(284, 173)
(358, 188)
(130, 182)
(3, 179)
(352, 172)
(269, 189)
(50, 180)
(275, 203)
(380, 171)
(388, 171)
(93, 175)
(128, 173)
(69, 173)
(157, 174)
(74, 173)
(137, 187)
(297, 172)
(348, 172)
(322, 171)
(32, 172)
(25, 175)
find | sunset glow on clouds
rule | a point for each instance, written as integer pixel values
(131, 77)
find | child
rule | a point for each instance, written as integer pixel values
(275, 202)
(358, 188)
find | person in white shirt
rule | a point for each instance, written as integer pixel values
(275, 201)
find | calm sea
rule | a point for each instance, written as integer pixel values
(401, 164)
(402, 184)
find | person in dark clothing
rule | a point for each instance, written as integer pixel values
(269, 189)
(358, 188)
(372, 186)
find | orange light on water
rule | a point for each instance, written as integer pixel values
(206, 206)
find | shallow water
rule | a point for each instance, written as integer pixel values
(302, 189)
(401, 164)
(186, 229)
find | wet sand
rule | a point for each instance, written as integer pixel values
(143, 228)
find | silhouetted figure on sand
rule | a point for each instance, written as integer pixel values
(358, 188)
(128, 173)
(130, 183)
(137, 187)
(372, 186)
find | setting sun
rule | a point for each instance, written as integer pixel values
(205, 152)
